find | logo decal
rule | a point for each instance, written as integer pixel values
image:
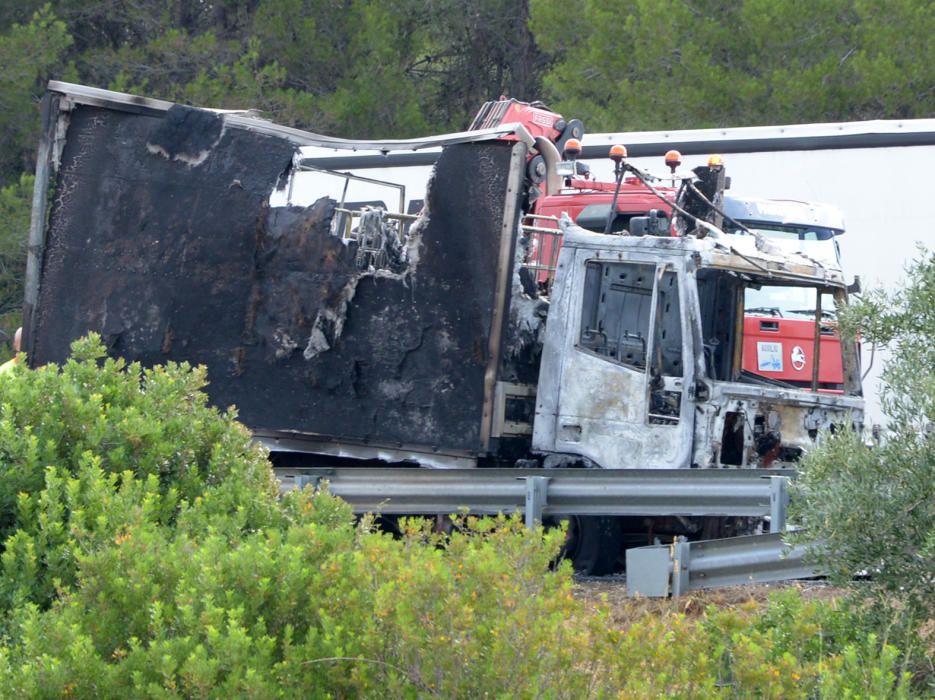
(798, 358)
(769, 357)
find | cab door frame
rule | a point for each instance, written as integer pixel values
(594, 406)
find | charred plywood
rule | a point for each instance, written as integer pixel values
(161, 239)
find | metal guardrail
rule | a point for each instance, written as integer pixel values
(664, 570)
(553, 492)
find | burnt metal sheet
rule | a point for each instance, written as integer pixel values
(153, 252)
(97, 97)
(160, 238)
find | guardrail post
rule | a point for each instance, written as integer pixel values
(537, 488)
(778, 501)
(680, 553)
(303, 480)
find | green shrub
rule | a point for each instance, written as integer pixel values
(319, 608)
(96, 446)
(149, 555)
(873, 507)
(15, 209)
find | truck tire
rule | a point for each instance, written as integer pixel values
(593, 544)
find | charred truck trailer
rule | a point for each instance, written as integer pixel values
(378, 337)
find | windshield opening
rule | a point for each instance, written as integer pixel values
(758, 331)
(784, 232)
(788, 302)
(790, 337)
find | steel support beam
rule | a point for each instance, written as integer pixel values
(537, 488)
(778, 502)
(555, 493)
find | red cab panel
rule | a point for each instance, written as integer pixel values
(587, 203)
(784, 349)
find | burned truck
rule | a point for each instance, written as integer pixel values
(375, 336)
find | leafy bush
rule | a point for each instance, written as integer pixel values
(15, 207)
(98, 446)
(318, 609)
(149, 555)
(874, 507)
(793, 648)
(321, 608)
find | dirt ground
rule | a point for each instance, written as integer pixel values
(612, 591)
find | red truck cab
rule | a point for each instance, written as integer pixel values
(587, 203)
(779, 338)
(781, 330)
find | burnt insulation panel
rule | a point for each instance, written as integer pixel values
(161, 239)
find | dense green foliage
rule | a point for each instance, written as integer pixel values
(33, 49)
(361, 68)
(354, 68)
(669, 64)
(15, 205)
(92, 448)
(146, 553)
(874, 507)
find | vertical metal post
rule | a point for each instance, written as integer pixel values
(537, 489)
(508, 231)
(816, 347)
(292, 173)
(681, 562)
(303, 480)
(778, 501)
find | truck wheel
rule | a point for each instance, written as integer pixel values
(593, 543)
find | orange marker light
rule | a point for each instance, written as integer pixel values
(618, 153)
(673, 160)
(572, 148)
(715, 162)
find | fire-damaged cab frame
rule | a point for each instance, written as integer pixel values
(668, 391)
